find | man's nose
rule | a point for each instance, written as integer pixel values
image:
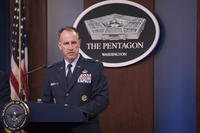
(70, 46)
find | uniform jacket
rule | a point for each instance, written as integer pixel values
(88, 90)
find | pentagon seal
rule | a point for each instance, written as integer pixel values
(15, 115)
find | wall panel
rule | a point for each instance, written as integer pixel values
(37, 43)
(131, 93)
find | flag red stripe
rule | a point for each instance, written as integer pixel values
(14, 82)
(25, 81)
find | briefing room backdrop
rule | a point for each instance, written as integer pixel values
(159, 94)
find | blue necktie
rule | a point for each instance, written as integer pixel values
(69, 74)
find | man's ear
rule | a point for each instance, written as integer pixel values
(59, 45)
(79, 43)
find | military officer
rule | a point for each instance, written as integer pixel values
(77, 81)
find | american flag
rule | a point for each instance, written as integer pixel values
(19, 54)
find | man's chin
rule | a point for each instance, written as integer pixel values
(70, 58)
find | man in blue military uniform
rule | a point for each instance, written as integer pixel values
(77, 81)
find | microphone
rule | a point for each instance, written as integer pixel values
(21, 93)
(36, 69)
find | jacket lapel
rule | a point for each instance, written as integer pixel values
(62, 75)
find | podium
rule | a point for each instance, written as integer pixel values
(54, 113)
(53, 118)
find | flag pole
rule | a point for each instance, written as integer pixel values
(20, 50)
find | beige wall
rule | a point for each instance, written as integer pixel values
(59, 13)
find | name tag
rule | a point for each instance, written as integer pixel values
(54, 84)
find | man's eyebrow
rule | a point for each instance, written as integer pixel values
(74, 41)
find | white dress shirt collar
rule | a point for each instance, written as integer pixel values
(73, 63)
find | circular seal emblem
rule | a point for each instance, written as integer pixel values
(117, 33)
(15, 115)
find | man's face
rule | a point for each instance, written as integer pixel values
(69, 44)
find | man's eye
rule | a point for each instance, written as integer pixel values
(74, 42)
(65, 43)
